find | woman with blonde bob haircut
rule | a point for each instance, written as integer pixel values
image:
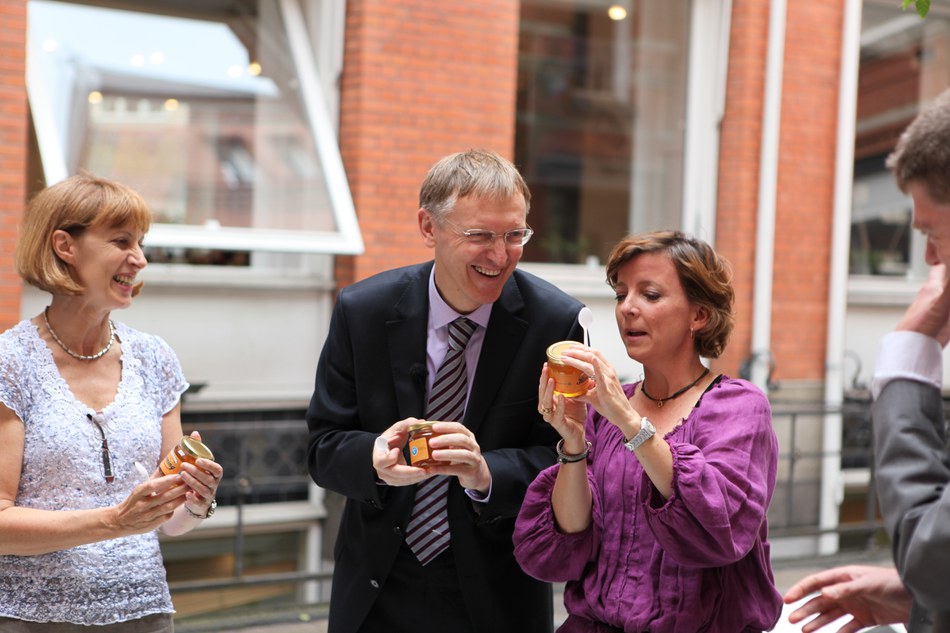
(655, 514)
(88, 408)
(74, 205)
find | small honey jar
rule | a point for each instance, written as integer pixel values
(188, 450)
(419, 453)
(568, 381)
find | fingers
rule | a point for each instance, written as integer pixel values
(151, 503)
(455, 442)
(824, 611)
(388, 459)
(203, 477)
(929, 312)
(545, 393)
(818, 604)
(822, 581)
(387, 447)
(158, 485)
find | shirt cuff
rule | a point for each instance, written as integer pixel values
(906, 355)
(475, 495)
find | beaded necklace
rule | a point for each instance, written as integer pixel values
(98, 354)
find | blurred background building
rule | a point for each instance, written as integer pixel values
(281, 144)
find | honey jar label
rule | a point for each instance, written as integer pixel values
(418, 450)
(171, 464)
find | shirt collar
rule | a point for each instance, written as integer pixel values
(441, 313)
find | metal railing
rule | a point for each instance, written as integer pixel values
(265, 461)
(795, 504)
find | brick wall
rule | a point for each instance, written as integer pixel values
(465, 58)
(805, 180)
(739, 149)
(13, 137)
(806, 189)
(421, 79)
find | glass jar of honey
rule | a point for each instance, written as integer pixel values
(419, 453)
(188, 449)
(568, 381)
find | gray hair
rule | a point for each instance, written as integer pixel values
(475, 172)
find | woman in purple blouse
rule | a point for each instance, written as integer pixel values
(655, 515)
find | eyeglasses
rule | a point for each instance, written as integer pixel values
(484, 237)
(104, 448)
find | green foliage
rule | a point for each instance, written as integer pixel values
(922, 6)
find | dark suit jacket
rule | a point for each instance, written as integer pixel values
(912, 469)
(371, 374)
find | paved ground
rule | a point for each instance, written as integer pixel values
(313, 620)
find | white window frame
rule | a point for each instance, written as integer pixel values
(346, 240)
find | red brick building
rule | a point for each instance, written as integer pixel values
(758, 125)
(421, 79)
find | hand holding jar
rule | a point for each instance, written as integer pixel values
(194, 462)
(454, 451)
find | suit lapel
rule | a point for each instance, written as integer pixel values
(406, 337)
(505, 333)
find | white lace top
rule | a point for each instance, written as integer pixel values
(110, 581)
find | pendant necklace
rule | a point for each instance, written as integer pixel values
(659, 401)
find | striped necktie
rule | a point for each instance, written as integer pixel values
(428, 531)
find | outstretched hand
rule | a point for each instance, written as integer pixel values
(872, 596)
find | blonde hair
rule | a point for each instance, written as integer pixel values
(73, 205)
(706, 278)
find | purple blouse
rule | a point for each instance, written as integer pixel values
(698, 561)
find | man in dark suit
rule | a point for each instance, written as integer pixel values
(388, 337)
(911, 457)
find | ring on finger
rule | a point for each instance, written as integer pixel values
(546, 410)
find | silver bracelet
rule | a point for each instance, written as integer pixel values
(211, 508)
(565, 458)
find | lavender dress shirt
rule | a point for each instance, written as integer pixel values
(698, 561)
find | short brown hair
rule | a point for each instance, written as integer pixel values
(705, 275)
(73, 205)
(475, 172)
(923, 151)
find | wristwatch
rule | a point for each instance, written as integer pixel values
(647, 430)
(211, 509)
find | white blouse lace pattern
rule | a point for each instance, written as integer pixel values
(109, 581)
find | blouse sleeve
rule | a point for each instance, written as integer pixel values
(542, 550)
(12, 386)
(163, 373)
(722, 480)
(173, 377)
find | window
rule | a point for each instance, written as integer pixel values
(220, 124)
(905, 62)
(600, 121)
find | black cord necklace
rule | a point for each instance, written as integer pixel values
(659, 401)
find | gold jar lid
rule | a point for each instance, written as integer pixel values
(555, 349)
(196, 448)
(418, 426)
